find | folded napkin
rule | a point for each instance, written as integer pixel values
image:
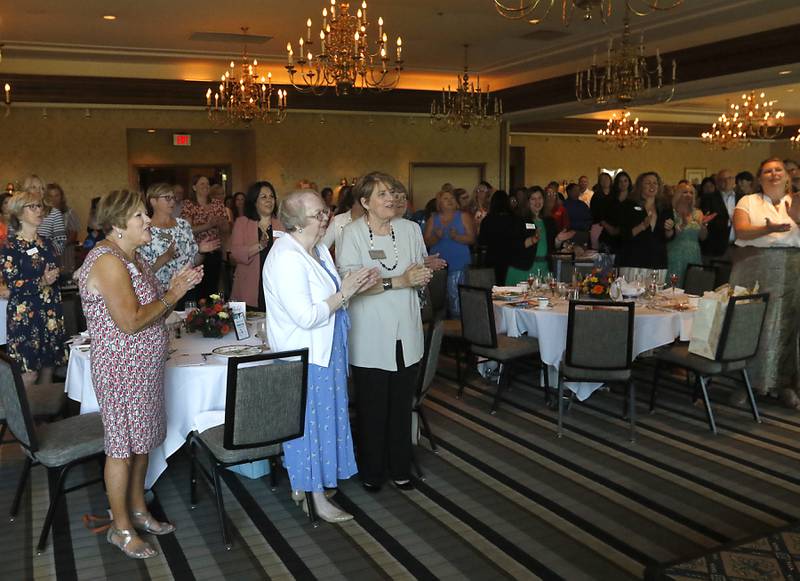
(630, 289)
(187, 359)
(504, 289)
(175, 317)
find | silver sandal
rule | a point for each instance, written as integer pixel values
(124, 538)
(144, 522)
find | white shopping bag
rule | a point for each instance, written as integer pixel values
(707, 326)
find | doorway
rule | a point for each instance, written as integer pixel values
(183, 174)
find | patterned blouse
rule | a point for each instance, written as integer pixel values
(185, 249)
(198, 215)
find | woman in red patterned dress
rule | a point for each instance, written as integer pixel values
(125, 313)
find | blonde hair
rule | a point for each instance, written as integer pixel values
(31, 180)
(17, 203)
(441, 195)
(116, 208)
(677, 195)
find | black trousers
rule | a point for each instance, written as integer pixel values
(383, 404)
(212, 266)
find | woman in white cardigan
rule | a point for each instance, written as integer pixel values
(307, 308)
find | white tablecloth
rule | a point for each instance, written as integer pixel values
(189, 391)
(651, 329)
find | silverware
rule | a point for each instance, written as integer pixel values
(205, 356)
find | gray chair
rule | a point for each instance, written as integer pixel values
(46, 402)
(265, 405)
(477, 322)
(599, 349)
(724, 268)
(480, 277)
(699, 278)
(738, 342)
(435, 306)
(427, 371)
(58, 446)
(563, 266)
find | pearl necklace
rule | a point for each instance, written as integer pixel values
(394, 244)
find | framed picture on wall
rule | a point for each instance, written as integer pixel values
(694, 175)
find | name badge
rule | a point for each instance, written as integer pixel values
(32, 251)
(530, 226)
(377, 255)
(638, 208)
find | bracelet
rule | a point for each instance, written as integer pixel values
(387, 284)
(344, 300)
(165, 303)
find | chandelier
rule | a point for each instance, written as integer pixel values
(246, 98)
(621, 132)
(468, 107)
(754, 118)
(625, 76)
(538, 10)
(795, 141)
(347, 59)
(6, 87)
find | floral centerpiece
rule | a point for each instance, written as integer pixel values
(596, 284)
(212, 318)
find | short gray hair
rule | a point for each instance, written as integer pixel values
(292, 210)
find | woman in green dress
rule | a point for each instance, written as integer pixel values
(536, 237)
(687, 228)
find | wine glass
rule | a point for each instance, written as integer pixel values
(673, 280)
(190, 306)
(553, 284)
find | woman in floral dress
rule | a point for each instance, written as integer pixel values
(172, 245)
(688, 229)
(209, 221)
(125, 311)
(35, 320)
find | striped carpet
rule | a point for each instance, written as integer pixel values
(503, 498)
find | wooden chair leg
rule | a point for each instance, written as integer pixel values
(23, 480)
(751, 396)
(709, 413)
(221, 508)
(632, 409)
(654, 391)
(501, 385)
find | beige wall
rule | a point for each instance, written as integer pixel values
(550, 157)
(91, 155)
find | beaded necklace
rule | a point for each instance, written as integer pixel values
(394, 244)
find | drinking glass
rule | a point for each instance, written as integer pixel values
(553, 284)
(190, 306)
(673, 279)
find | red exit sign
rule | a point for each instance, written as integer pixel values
(181, 139)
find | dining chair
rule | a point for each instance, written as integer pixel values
(563, 266)
(724, 268)
(58, 446)
(265, 405)
(427, 371)
(599, 349)
(699, 278)
(480, 277)
(435, 306)
(738, 343)
(479, 332)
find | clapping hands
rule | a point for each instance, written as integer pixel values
(360, 280)
(50, 275)
(793, 207)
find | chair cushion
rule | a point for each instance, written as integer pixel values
(214, 437)
(46, 399)
(451, 328)
(509, 348)
(66, 440)
(586, 374)
(679, 355)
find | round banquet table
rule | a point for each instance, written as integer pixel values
(194, 390)
(652, 328)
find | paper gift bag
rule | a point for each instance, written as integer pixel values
(707, 327)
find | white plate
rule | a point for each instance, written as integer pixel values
(237, 350)
(538, 308)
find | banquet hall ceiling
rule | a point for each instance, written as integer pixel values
(157, 39)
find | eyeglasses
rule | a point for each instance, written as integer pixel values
(168, 197)
(322, 214)
(33, 206)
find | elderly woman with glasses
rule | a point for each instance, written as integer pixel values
(35, 321)
(308, 309)
(172, 245)
(386, 342)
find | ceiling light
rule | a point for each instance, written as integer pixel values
(151, 130)
(109, 17)
(534, 21)
(783, 73)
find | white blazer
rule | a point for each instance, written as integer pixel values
(295, 289)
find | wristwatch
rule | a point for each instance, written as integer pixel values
(387, 284)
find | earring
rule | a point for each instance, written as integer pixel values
(119, 235)
(299, 230)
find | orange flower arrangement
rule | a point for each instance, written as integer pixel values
(597, 283)
(212, 318)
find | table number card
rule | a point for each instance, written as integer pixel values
(239, 320)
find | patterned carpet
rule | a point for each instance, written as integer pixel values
(502, 498)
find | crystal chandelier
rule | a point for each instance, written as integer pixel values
(621, 132)
(347, 59)
(247, 98)
(754, 118)
(468, 107)
(6, 87)
(626, 76)
(538, 10)
(795, 141)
